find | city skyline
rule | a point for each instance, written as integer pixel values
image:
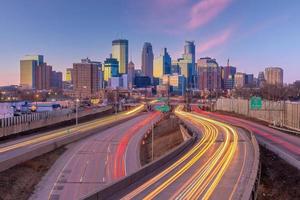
(264, 35)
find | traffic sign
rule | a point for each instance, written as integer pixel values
(164, 108)
(255, 103)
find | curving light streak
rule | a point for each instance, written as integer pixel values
(204, 180)
(119, 158)
(209, 136)
(74, 129)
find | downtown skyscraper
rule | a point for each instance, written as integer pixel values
(28, 67)
(120, 52)
(86, 78)
(209, 74)
(147, 60)
(274, 75)
(189, 52)
(162, 64)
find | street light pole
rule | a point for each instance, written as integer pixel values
(77, 101)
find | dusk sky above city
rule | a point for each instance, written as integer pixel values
(253, 34)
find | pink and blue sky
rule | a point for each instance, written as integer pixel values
(254, 34)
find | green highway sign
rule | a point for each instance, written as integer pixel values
(255, 103)
(164, 108)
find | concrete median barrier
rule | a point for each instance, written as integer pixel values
(125, 182)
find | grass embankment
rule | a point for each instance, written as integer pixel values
(18, 182)
(279, 180)
(167, 136)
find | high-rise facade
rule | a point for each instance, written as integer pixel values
(189, 52)
(209, 74)
(239, 80)
(261, 79)
(249, 80)
(38, 58)
(28, 70)
(187, 63)
(175, 68)
(274, 75)
(111, 68)
(162, 64)
(43, 77)
(27, 73)
(131, 74)
(176, 83)
(187, 70)
(228, 74)
(56, 80)
(147, 59)
(69, 72)
(120, 52)
(86, 78)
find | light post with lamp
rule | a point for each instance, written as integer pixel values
(77, 102)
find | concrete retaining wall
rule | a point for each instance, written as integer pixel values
(122, 184)
(254, 179)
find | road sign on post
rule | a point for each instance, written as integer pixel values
(255, 103)
(163, 108)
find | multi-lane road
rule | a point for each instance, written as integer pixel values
(9, 151)
(97, 161)
(285, 145)
(218, 166)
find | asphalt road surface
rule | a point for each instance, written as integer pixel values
(218, 166)
(97, 161)
(285, 145)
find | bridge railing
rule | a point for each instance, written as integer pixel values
(18, 124)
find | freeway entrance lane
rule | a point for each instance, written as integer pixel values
(285, 145)
(91, 163)
(216, 167)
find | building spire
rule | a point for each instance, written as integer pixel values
(228, 62)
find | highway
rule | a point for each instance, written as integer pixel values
(218, 166)
(97, 161)
(12, 149)
(285, 145)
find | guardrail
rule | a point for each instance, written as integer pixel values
(254, 179)
(30, 153)
(123, 183)
(16, 125)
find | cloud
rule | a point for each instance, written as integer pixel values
(204, 11)
(215, 41)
